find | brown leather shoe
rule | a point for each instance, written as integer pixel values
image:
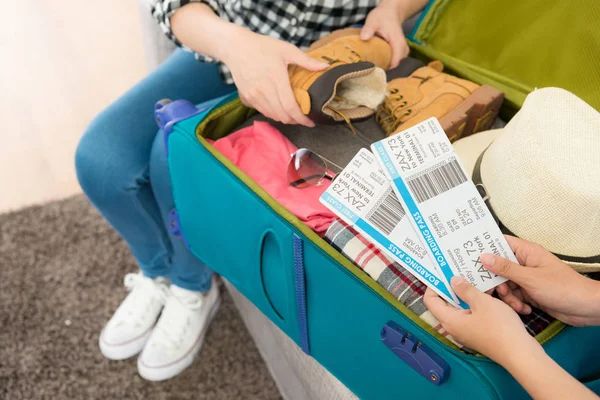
(461, 106)
(353, 85)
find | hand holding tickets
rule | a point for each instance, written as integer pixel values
(437, 225)
(362, 196)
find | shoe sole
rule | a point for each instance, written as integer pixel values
(475, 114)
(187, 360)
(123, 351)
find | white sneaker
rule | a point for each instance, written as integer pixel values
(130, 327)
(179, 332)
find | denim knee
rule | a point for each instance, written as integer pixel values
(105, 169)
(90, 167)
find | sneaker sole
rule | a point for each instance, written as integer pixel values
(156, 374)
(125, 350)
(475, 114)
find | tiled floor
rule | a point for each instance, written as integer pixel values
(61, 62)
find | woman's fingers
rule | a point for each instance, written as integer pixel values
(514, 298)
(259, 103)
(530, 301)
(296, 56)
(368, 30)
(290, 105)
(279, 104)
(399, 48)
(264, 98)
(272, 97)
(438, 306)
(503, 289)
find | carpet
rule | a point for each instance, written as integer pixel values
(61, 278)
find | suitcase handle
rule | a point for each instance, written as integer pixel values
(273, 300)
(277, 304)
(415, 353)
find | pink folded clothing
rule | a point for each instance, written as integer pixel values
(263, 153)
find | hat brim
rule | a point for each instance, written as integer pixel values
(584, 268)
(468, 151)
(470, 148)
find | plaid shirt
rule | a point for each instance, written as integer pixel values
(299, 22)
(399, 282)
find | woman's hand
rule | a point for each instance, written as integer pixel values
(258, 63)
(545, 282)
(259, 66)
(491, 327)
(386, 21)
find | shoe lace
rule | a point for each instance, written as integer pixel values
(388, 115)
(175, 320)
(143, 292)
(354, 55)
(345, 118)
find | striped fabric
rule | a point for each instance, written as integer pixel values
(399, 282)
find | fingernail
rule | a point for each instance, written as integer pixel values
(488, 259)
(457, 280)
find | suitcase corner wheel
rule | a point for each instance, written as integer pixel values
(415, 353)
(167, 113)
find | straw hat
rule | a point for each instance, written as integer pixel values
(542, 175)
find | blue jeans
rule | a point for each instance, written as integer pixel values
(122, 168)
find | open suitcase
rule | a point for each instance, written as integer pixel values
(329, 307)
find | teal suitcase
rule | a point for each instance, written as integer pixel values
(328, 306)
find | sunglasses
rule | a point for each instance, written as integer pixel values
(307, 168)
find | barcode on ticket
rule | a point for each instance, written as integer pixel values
(387, 213)
(436, 181)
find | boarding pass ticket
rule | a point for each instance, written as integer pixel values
(363, 197)
(443, 203)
